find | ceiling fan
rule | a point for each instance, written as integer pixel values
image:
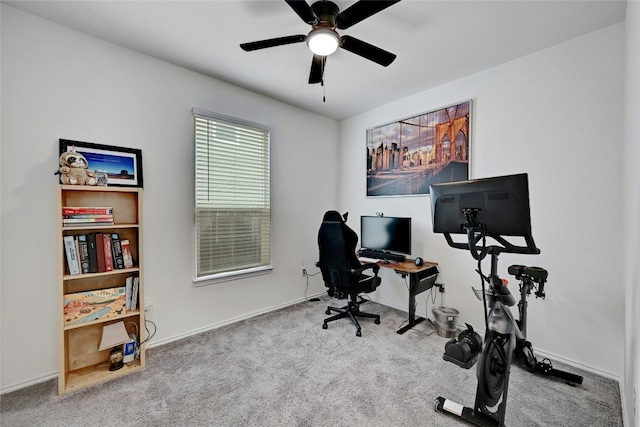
(324, 17)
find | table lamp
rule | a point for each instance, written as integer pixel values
(114, 335)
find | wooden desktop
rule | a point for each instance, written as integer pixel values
(421, 278)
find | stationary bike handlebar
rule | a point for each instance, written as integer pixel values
(505, 246)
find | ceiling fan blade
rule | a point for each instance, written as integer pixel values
(360, 11)
(367, 50)
(279, 41)
(317, 69)
(302, 8)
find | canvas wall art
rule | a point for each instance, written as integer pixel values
(406, 156)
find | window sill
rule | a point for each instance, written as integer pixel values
(231, 275)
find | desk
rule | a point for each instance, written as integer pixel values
(421, 278)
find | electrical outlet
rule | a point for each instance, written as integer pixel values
(303, 271)
(148, 310)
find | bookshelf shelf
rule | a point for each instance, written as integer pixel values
(80, 362)
(126, 271)
(131, 313)
(88, 376)
(100, 227)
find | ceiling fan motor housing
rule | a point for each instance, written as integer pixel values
(326, 12)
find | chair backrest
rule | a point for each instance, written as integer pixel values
(337, 244)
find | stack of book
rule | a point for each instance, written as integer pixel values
(97, 253)
(86, 216)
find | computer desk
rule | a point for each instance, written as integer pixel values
(421, 278)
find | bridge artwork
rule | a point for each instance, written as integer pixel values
(405, 157)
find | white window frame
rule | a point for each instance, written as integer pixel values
(224, 205)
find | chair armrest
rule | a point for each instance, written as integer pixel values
(358, 271)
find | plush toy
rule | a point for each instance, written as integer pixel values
(74, 169)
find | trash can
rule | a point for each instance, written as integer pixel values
(446, 321)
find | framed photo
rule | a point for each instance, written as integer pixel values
(406, 156)
(122, 166)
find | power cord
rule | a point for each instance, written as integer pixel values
(306, 288)
(137, 335)
(149, 335)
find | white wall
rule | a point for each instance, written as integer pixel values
(557, 115)
(58, 83)
(631, 377)
(530, 115)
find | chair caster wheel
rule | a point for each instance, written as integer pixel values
(377, 321)
(358, 333)
(324, 326)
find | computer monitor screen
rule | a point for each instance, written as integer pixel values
(385, 233)
(502, 205)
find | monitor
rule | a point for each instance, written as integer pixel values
(386, 234)
(499, 206)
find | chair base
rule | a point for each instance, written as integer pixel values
(352, 311)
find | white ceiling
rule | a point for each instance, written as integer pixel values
(435, 41)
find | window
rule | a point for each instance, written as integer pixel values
(232, 186)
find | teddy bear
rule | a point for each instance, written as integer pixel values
(74, 169)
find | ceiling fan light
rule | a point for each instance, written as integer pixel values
(323, 41)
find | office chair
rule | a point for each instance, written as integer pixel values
(342, 271)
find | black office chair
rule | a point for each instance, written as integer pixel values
(342, 271)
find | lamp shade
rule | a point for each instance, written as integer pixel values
(323, 41)
(113, 335)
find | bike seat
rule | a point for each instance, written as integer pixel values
(536, 273)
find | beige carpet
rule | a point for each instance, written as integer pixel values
(283, 369)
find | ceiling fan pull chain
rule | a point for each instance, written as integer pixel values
(324, 88)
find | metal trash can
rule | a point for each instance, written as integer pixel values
(446, 321)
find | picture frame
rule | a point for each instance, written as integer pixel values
(406, 156)
(123, 166)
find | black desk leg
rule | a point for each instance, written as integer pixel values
(412, 313)
(418, 283)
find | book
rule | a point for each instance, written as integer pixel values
(92, 305)
(116, 251)
(127, 257)
(108, 257)
(100, 253)
(96, 221)
(87, 224)
(72, 255)
(87, 216)
(134, 293)
(69, 210)
(93, 253)
(128, 289)
(75, 243)
(83, 253)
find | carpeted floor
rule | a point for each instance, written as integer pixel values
(283, 369)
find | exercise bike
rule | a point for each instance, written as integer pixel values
(533, 278)
(492, 208)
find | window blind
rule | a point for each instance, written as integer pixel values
(232, 186)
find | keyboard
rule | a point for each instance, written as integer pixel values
(368, 253)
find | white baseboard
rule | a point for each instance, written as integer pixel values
(230, 321)
(152, 344)
(30, 382)
(540, 354)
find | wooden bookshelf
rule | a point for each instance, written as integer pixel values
(80, 363)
